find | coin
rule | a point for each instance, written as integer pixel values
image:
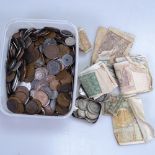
(51, 93)
(15, 83)
(67, 60)
(51, 51)
(23, 89)
(41, 73)
(90, 120)
(10, 76)
(52, 104)
(40, 84)
(54, 85)
(81, 113)
(91, 116)
(70, 41)
(50, 78)
(93, 107)
(66, 33)
(42, 97)
(54, 67)
(61, 110)
(33, 106)
(65, 88)
(21, 96)
(64, 99)
(30, 73)
(15, 105)
(63, 50)
(48, 110)
(82, 104)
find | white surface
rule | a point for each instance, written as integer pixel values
(12, 27)
(72, 137)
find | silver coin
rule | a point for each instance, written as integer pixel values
(81, 113)
(82, 104)
(52, 104)
(70, 41)
(66, 33)
(67, 60)
(54, 67)
(26, 84)
(90, 120)
(93, 107)
(41, 73)
(91, 116)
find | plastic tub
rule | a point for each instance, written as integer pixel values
(9, 30)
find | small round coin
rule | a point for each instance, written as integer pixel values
(70, 41)
(67, 60)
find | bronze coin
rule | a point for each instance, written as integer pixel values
(51, 51)
(54, 85)
(39, 41)
(10, 76)
(61, 110)
(33, 106)
(51, 35)
(23, 89)
(64, 100)
(15, 105)
(64, 77)
(42, 97)
(63, 50)
(48, 110)
(21, 96)
(50, 78)
(30, 73)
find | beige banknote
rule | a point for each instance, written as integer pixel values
(84, 42)
(133, 75)
(96, 80)
(129, 124)
(111, 43)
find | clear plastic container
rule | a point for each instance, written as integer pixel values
(9, 30)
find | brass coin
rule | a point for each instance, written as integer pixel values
(33, 106)
(42, 97)
(64, 77)
(15, 105)
(64, 99)
(63, 50)
(51, 51)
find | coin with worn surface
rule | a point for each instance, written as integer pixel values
(63, 50)
(23, 89)
(81, 113)
(70, 41)
(15, 105)
(82, 104)
(41, 83)
(30, 73)
(65, 88)
(41, 73)
(51, 51)
(90, 120)
(33, 106)
(91, 116)
(54, 67)
(15, 83)
(21, 96)
(42, 97)
(64, 99)
(48, 110)
(93, 107)
(10, 76)
(61, 110)
(67, 60)
(66, 33)
(54, 85)
(50, 78)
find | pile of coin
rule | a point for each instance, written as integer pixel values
(40, 71)
(87, 109)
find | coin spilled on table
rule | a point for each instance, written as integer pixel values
(39, 71)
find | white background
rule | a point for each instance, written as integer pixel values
(70, 136)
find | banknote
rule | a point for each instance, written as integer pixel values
(84, 42)
(112, 43)
(129, 124)
(96, 80)
(133, 75)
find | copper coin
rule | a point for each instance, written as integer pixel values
(33, 106)
(48, 110)
(30, 73)
(51, 93)
(54, 67)
(61, 110)
(51, 35)
(50, 78)
(63, 50)
(65, 88)
(23, 89)
(51, 51)
(42, 97)
(54, 84)
(64, 77)
(64, 99)
(41, 73)
(15, 105)
(10, 76)
(21, 96)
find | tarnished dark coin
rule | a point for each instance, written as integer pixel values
(15, 105)
(64, 100)
(66, 33)
(48, 110)
(33, 106)
(70, 41)
(54, 84)
(10, 76)
(61, 110)
(65, 88)
(51, 51)
(67, 60)
(54, 67)
(30, 73)
(22, 70)
(63, 50)
(41, 73)
(23, 89)
(18, 64)
(21, 96)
